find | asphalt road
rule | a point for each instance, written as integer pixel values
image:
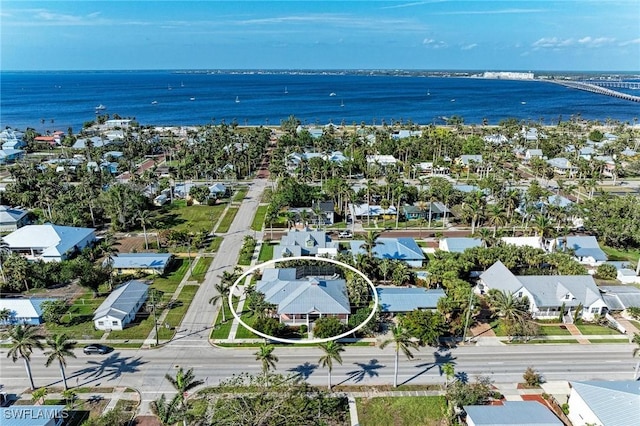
(145, 369)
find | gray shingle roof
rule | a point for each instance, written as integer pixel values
(122, 300)
(520, 413)
(614, 403)
(306, 295)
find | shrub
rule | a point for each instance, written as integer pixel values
(303, 328)
(565, 408)
(634, 312)
(270, 326)
(328, 327)
(606, 272)
(532, 377)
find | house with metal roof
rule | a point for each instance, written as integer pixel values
(34, 415)
(406, 299)
(405, 249)
(305, 243)
(458, 245)
(121, 306)
(619, 298)
(12, 218)
(606, 403)
(22, 311)
(9, 155)
(547, 294)
(50, 243)
(303, 299)
(131, 263)
(533, 242)
(365, 210)
(436, 209)
(585, 249)
(511, 413)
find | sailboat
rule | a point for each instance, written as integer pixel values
(168, 87)
(237, 100)
(341, 102)
(428, 93)
(181, 84)
(285, 90)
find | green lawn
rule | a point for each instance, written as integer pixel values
(222, 329)
(399, 411)
(553, 330)
(258, 219)
(175, 315)
(77, 323)
(139, 329)
(214, 245)
(168, 283)
(266, 252)
(227, 220)
(595, 329)
(241, 192)
(242, 332)
(201, 268)
(617, 254)
(180, 217)
(246, 253)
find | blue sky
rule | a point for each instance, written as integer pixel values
(580, 35)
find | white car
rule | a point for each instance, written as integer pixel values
(345, 234)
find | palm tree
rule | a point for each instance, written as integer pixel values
(4, 250)
(636, 352)
(143, 218)
(332, 351)
(449, 371)
(403, 342)
(5, 315)
(60, 347)
(168, 412)
(370, 241)
(266, 357)
(223, 290)
(23, 339)
(511, 309)
(183, 383)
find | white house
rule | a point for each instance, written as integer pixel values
(586, 249)
(12, 218)
(458, 245)
(121, 306)
(606, 403)
(51, 243)
(382, 160)
(23, 311)
(547, 294)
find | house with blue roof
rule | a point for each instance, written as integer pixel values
(585, 248)
(548, 295)
(23, 311)
(50, 243)
(12, 218)
(458, 245)
(302, 300)
(404, 249)
(10, 155)
(604, 403)
(121, 306)
(406, 299)
(511, 413)
(305, 243)
(133, 263)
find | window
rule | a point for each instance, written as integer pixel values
(595, 310)
(100, 322)
(114, 322)
(519, 294)
(567, 296)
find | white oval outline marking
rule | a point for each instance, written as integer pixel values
(305, 341)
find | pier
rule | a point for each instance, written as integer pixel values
(594, 87)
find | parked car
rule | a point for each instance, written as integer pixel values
(97, 349)
(345, 234)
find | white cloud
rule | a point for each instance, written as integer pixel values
(469, 46)
(629, 42)
(434, 44)
(559, 43)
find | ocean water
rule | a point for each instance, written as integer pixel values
(180, 98)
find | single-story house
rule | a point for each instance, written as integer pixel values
(131, 263)
(585, 248)
(470, 160)
(511, 413)
(547, 294)
(121, 306)
(305, 243)
(530, 154)
(51, 243)
(436, 209)
(604, 403)
(34, 415)
(10, 155)
(12, 218)
(218, 190)
(458, 245)
(23, 311)
(405, 249)
(407, 299)
(365, 210)
(562, 166)
(625, 273)
(94, 142)
(326, 210)
(303, 300)
(382, 160)
(620, 297)
(534, 242)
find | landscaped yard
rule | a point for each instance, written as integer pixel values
(398, 411)
(266, 252)
(175, 315)
(77, 323)
(241, 192)
(258, 219)
(227, 220)
(221, 329)
(169, 283)
(595, 329)
(553, 330)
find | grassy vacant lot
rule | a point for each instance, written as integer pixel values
(226, 221)
(616, 254)
(201, 268)
(181, 217)
(241, 192)
(398, 411)
(595, 329)
(77, 323)
(258, 219)
(170, 281)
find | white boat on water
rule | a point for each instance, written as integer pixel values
(332, 94)
(192, 98)
(154, 102)
(237, 100)
(100, 107)
(341, 103)
(285, 90)
(523, 103)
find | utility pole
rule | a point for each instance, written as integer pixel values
(466, 323)
(155, 318)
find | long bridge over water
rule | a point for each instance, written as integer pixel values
(602, 88)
